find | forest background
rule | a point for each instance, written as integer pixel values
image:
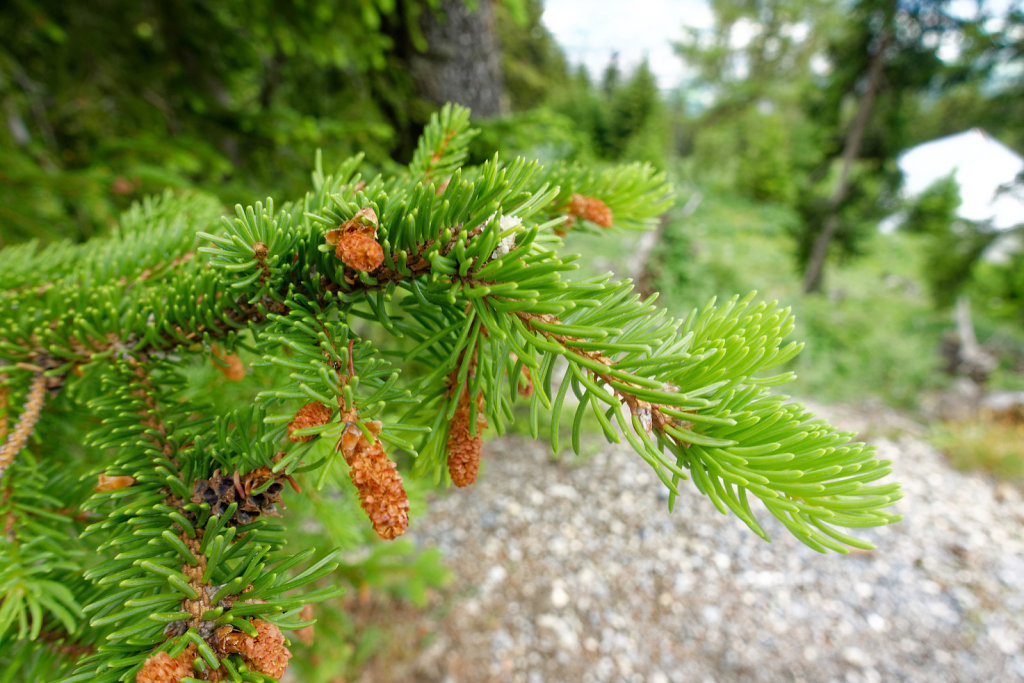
(783, 147)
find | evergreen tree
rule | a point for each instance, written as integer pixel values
(881, 59)
(535, 68)
(754, 62)
(952, 246)
(402, 314)
(623, 119)
(111, 100)
(638, 127)
(812, 103)
(106, 102)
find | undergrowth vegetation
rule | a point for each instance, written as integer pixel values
(875, 335)
(990, 445)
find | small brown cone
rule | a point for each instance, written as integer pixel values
(306, 633)
(266, 652)
(359, 251)
(234, 370)
(162, 668)
(355, 242)
(105, 482)
(313, 414)
(463, 449)
(591, 209)
(376, 478)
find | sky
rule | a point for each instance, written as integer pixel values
(590, 31)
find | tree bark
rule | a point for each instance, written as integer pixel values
(463, 62)
(813, 277)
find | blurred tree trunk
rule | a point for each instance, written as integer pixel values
(463, 61)
(813, 277)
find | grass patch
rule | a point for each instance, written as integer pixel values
(989, 445)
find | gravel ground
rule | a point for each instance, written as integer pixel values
(571, 571)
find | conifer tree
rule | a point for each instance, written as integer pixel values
(389, 315)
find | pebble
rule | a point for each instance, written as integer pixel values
(594, 580)
(559, 598)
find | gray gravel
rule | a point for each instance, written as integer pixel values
(570, 571)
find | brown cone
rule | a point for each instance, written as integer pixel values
(376, 478)
(313, 414)
(359, 251)
(463, 449)
(105, 482)
(591, 209)
(162, 668)
(266, 652)
(355, 242)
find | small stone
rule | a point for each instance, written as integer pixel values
(495, 575)
(877, 623)
(563, 491)
(559, 596)
(856, 656)
(711, 614)
(567, 638)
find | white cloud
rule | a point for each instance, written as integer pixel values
(591, 31)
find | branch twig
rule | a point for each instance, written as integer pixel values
(26, 424)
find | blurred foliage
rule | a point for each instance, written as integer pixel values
(1000, 287)
(871, 197)
(985, 87)
(784, 80)
(906, 37)
(534, 66)
(622, 119)
(952, 246)
(877, 336)
(865, 346)
(107, 103)
(954, 255)
(540, 133)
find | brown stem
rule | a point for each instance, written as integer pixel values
(26, 423)
(637, 406)
(3, 411)
(438, 153)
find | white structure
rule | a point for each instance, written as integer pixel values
(981, 165)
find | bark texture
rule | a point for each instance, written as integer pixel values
(813, 277)
(463, 63)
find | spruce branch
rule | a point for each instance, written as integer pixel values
(386, 315)
(202, 542)
(442, 147)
